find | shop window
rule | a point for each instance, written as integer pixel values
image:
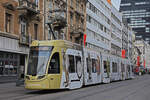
(7, 55)
(11, 56)
(71, 64)
(54, 67)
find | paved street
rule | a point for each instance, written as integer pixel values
(136, 89)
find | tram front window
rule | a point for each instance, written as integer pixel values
(38, 59)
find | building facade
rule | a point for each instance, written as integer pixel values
(99, 25)
(116, 32)
(21, 21)
(137, 13)
(144, 53)
(67, 19)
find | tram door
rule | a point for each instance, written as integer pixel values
(54, 71)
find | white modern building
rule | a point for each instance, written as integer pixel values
(99, 25)
(104, 27)
(116, 32)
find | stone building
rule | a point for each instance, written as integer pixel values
(21, 21)
(67, 19)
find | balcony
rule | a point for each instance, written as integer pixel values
(25, 39)
(79, 11)
(77, 31)
(27, 7)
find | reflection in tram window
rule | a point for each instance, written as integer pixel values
(38, 60)
(54, 67)
(71, 64)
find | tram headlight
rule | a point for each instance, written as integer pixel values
(27, 77)
(40, 77)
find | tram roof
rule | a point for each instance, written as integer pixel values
(53, 43)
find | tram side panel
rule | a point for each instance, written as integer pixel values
(123, 69)
(92, 67)
(72, 77)
(114, 68)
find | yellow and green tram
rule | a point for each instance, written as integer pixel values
(60, 64)
(49, 68)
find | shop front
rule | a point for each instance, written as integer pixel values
(12, 59)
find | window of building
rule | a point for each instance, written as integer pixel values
(77, 5)
(141, 3)
(147, 29)
(71, 18)
(126, 4)
(35, 31)
(71, 2)
(89, 18)
(101, 26)
(23, 28)
(37, 4)
(8, 22)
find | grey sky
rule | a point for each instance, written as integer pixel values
(116, 3)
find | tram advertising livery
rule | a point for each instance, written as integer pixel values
(60, 64)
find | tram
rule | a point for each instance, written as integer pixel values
(60, 64)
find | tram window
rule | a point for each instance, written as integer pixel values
(128, 68)
(71, 64)
(114, 67)
(87, 63)
(105, 67)
(122, 68)
(78, 59)
(54, 66)
(94, 61)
